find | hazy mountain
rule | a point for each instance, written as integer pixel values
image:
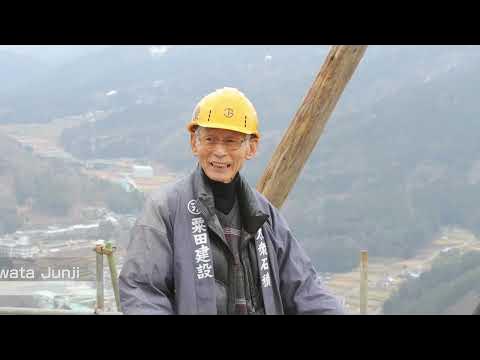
(53, 55)
(49, 187)
(450, 287)
(388, 177)
(17, 71)
(398, 159)
(161, 76)
(155, 79)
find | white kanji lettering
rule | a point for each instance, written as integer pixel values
(260, 235)
(266, 280)
(201, 254)
(200, 239)
(203, 271)
(262, 249)
(198, 225)
(264, 265)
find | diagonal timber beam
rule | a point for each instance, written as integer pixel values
(307, 126)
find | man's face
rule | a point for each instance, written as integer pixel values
(221, 153)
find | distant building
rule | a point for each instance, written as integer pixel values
(127, 184)
(92, 213)
(142, 171)
(18, 249)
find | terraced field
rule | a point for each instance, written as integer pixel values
(385, 275)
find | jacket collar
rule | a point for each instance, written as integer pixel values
(252, 215)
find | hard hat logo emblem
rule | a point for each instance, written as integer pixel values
(228, 112)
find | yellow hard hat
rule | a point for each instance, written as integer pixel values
(226, 108)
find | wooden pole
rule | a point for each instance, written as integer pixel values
(363, 282)
(113, 272)
(307, 126)
(100, 282)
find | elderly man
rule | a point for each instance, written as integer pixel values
(210, 243)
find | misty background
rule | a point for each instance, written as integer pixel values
(397, 165)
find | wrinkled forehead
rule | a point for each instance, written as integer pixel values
(221, 133)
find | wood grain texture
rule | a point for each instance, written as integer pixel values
(307, 126)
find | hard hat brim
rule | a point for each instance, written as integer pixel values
(191, 128)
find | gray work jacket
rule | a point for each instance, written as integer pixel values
(168, 268)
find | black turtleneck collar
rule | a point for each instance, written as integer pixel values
(223, 194)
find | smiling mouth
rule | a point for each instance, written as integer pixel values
(217, 165)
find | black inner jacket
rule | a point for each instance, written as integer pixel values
(224, 268)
